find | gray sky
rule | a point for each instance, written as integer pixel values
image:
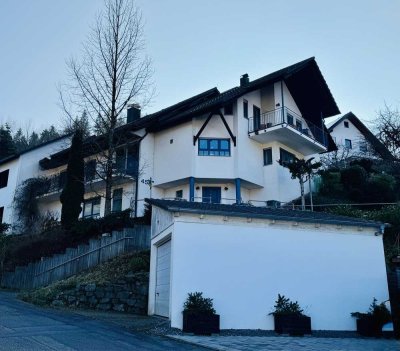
(196, 45)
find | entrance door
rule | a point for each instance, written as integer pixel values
(163, 270)
(211, 194)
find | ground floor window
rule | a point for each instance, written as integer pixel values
(347, 144)
(117, 200)
(267, 156)
(286, 156)
(91, 208)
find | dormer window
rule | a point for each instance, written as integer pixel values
(346, 124)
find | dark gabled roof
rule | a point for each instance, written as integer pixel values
(313, 101)
(15, 156)
(371, 138)
(92, 145)
(260, 212)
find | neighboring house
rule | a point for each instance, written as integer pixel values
(244, 256)
(15, 169)
(213, 147)
(352, 136)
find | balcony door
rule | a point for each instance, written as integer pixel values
(256, 117)
(211, 194)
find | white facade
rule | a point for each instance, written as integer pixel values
(172, 165)
(23, 167)
(348, 137)
(244, 264)
(170, 159)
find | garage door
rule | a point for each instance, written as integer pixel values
(162, 279)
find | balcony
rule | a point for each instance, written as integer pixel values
(289, 128)
(53, 185)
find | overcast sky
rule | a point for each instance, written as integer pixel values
(196, 45)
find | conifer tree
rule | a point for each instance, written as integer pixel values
(7, 147)
(72, 195)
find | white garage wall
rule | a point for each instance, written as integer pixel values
(331, 272)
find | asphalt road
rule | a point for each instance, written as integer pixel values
(26, 327)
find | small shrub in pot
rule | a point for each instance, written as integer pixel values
(370, 323)
(199, 316)
(289, 317)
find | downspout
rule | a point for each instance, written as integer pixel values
(283, 103)
(137, 177)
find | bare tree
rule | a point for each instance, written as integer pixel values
(112, 73)
(387, 126)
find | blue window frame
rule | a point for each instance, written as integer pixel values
(214, 147)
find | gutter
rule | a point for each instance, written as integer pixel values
(379, 226)
(137, 178)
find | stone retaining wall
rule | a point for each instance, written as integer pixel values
(126, 295)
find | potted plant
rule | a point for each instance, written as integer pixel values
(371, 322)
(199, 315)
(289, 317)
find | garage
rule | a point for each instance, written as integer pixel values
(244, 256)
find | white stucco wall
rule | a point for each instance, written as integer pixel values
(340, 133)
(7, 193)
(244, 266)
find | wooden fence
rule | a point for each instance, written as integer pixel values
(75, 260)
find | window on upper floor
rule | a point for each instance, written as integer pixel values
(290, 119)
(267, 156)
(90, 170)
(4, 178)
(363, 146)
(214, 147)
(1, 214)
(117, 200)
(62, 180)
(245, 108)
(228, 109)
(286, 156)
(91, 208)
(347, 144)
(179, 194)
(346, 124)
(299, 125)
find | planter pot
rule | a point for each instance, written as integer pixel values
(292, 324)
(367, 326)
(200, 323)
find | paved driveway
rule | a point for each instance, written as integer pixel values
(282, 343)
(25, 327)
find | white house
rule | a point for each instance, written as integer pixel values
(244, 256)
(14, 170)
(213, 147)
(353, 136)
(221, 147)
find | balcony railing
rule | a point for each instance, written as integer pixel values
(285, 116)
(54, 184)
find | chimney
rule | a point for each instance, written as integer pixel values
(244, 80)
(133, 113)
